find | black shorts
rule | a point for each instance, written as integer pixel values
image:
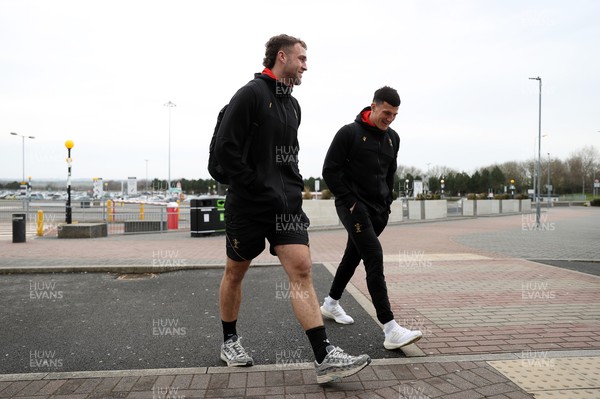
(246, 235)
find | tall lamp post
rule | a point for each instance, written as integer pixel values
(69, 144)
(548, 187)
(539, 177)
(146, 174)
(169, 105)
(535, 144)
(23, 151)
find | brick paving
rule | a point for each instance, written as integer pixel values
(452, 379)
(467, 284)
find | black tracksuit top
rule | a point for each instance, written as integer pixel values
(269, 182)
(360, 165)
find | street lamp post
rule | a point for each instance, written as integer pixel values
(535, 144)
(68, 218)
(548, 186)
(146, 174)
(539, 178)
(23, 151)
(169, 105)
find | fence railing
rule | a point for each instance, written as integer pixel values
(122, 218)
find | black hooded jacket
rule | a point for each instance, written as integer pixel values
(360, 165)
(269, 181)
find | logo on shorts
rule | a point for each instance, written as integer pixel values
(357, 228)
(364, 138)
(236, 243)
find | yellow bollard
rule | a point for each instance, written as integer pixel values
(109, 210)
(40, 223)
(141, 211)
(178, 208)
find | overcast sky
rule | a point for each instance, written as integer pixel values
(100, 72)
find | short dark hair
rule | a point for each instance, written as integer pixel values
(388, 95)
(277, 43)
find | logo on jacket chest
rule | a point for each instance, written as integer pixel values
(389, 141)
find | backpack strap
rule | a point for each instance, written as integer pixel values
(256, 124)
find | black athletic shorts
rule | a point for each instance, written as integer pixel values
(246, 235)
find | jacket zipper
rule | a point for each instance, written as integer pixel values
(285, 201)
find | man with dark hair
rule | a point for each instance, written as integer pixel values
(264, 201)
(359, 170)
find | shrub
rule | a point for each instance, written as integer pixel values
(595, 202)
(423, 197)
(307, 194)
(326, 194)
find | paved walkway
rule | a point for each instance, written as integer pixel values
(495, 323)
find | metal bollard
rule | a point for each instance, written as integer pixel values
(40, 223)
(141, 211)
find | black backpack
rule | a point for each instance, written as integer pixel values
(214, 168)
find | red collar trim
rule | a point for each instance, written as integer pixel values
(269, 73)
(366, 114)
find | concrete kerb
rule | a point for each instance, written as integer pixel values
(274, 367)
(117, 269)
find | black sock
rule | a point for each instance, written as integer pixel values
(319, 342)
(228, 329)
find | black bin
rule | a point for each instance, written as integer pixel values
(207, 215)
(19, 223)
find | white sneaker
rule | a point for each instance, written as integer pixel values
(400, 336)
(234, 354)
(331, 309)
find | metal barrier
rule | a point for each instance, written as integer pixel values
(149, 218)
